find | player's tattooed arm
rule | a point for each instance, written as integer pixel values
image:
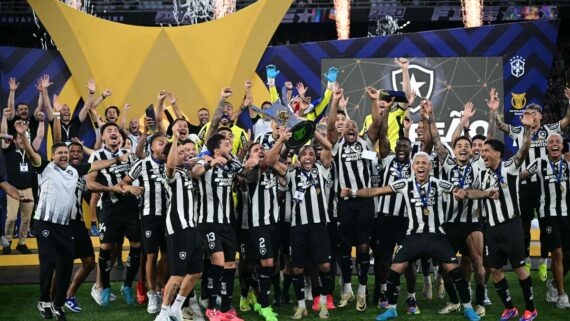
(523, 150)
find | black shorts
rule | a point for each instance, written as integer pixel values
(505, 242)
(332, 228)
(265, 241)
(285, 239)
(356, 220)
(244, 246)
(555, 233)
(429, 245)
(154, 234)
(457, 235)
(119, 220)
(309, 244)
(83, 244)
(389, 231)
(219, 238)
(529, 200)
(184, 249)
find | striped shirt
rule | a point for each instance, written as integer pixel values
(537, 143)
(215, 203)
(308, 197)
(180, 213)
(331, 191)
(506, 180)
(353, 170)
(80, 190)
(111, 176)
(262, 201)
(554, 184)
(424, 203)
(150, 174)
(376, 181)
(462, 211)
(57, 191)
(393, 170)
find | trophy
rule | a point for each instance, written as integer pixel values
(398, 96)
(302, 130)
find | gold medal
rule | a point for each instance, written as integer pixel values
(561, 189)
(318, 189)
(426, 211)
(504, 185)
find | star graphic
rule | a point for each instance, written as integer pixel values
(194, 61)
(415, 85)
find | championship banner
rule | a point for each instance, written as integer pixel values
(454, 66)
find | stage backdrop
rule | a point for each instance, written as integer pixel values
(449, 66)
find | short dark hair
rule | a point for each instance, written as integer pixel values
(266, 102)
(203, 108)
(22, 103)
(224, 128)
(113, 107)
(462, 138)
(249, 149)
(188, 141)
(214, 142)
(76, 144)
(404, 138)
(154, 137)
(55, 146)
(341, 112)
(108, 125)
(496, 145)
(479, 136)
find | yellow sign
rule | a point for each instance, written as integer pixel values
(136, 62)
(518, 101)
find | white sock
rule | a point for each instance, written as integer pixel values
(383, 287)
(467, 305)
(361, 289)
(302, 304)
(347, 288)
(412, 295)
(164, 310)
(323, 299)
(178, 302)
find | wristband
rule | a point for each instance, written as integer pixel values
(207, 166)
(103, 96)
(91, 92)
(270, 81)
(330, 85)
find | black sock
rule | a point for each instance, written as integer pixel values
(299, 286)
(105, 266)
(227, 289)
(502, 288)
(450, 289)
(243, 285)
(287, 279)
(393, 287)
(425, 266)
(214, 284)
(204, 293)
(461, 284)
(363, 267)
(265, 276)
(480, 294)
(276, 286)
(133, 263)
(326, 283)
(345, 268)
(526, 286)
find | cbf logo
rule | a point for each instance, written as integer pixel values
(421, 81)
(517, 66)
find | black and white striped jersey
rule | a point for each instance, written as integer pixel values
(242, 207)
(537, 142)
(215, 203)
(309, 204)
(424, 203)
(462, 211)
(180, 212)
(149, 173)
(554, 184)
(506, 180)
(393, 170)
(331, 191)
(353, 164)
(113, 175)
(266, 140)
(77, 210)
(262, 201)
(376, 181)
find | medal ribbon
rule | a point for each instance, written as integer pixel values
(557, 173)
(423, 196)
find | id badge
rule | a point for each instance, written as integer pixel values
(299, 196)
(23, 168)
